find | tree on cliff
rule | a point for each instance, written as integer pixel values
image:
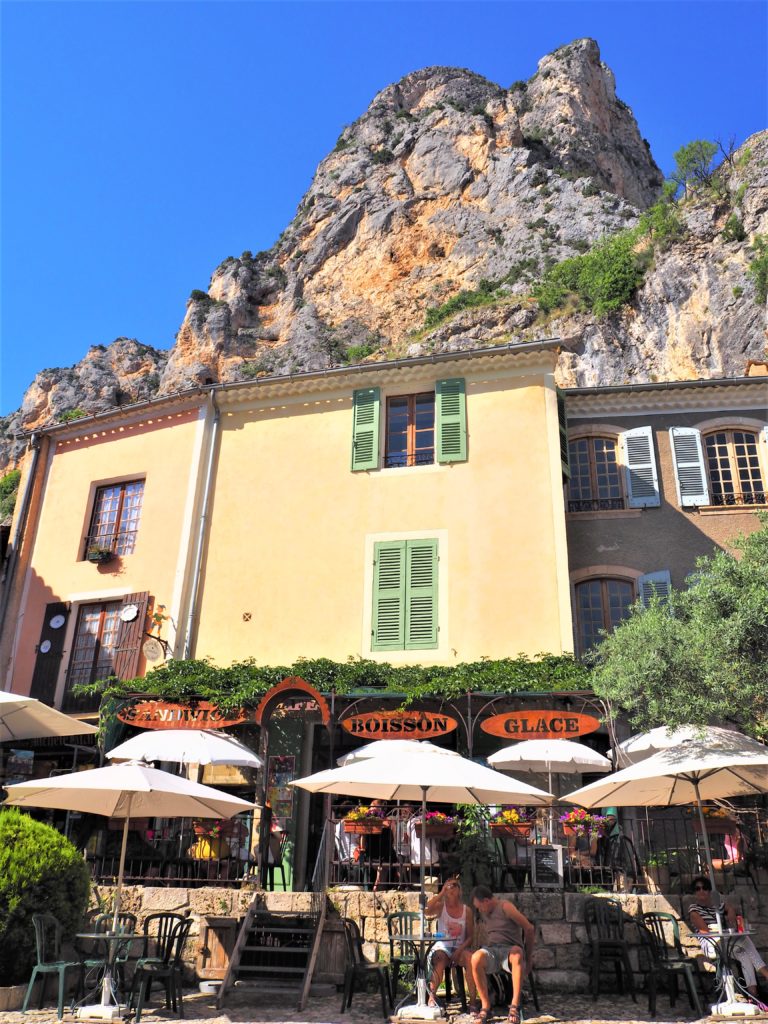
(703, 654)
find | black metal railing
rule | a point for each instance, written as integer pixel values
(425, 457)
(103, 546)
(739, 498)
(595, 504)
(80, 704)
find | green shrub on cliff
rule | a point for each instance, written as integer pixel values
(40, 872)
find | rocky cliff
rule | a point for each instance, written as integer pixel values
(450, 184)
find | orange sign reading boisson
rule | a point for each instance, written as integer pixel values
(394, 725)
(156, 714)
(526, 725)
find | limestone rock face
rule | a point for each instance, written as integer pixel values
(448, 181)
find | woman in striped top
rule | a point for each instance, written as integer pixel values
(703, 912)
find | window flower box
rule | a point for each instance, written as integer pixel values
(364, 820)
(581, 823)
(513, 821)
(99, 555)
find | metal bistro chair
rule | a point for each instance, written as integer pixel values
(401, 924)
(48, 947)
(169, 970)
(604, 920)
(660, 934)
(358, 968)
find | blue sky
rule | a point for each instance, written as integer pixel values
(143, 142)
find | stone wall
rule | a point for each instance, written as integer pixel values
(560, 956)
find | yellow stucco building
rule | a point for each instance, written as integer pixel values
(407, 511)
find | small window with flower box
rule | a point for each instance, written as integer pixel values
(114, 521)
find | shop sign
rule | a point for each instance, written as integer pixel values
(550, 725)
(394, 725)
(157, 714)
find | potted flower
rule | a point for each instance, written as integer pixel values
(513, 821)
(99, 554)
(579, 822)
(364, 819)
(213, 828)
(718, 820)
(437, 825)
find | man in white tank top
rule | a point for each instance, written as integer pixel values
(509, 938)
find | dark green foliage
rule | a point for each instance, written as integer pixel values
(661, 223)
(258, 368)
(758, 267)
(405, 115)
(704, 655)
(355, 353)
(9, 490)
(436, 315)
(279, 275)
(694, 168)
(40, 871)
(733, 229)
(72, 414)
(245, 681)
(341, 143)
(604, 279)
(198, 295)
(382, 156)
(519, 84)
(738, 291)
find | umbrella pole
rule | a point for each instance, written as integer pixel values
(551, 810)
(121, 869)
(704, 835)
(422, 890)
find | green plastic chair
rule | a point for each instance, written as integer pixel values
(48, 946)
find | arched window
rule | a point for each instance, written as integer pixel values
(733, 468)
(601, 603)
(596, 477)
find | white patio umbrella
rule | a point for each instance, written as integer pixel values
(186, 746)
(25, 718)
(716, 764)
(550, 756)
(122, 791)
(392, 748)
(645, 744)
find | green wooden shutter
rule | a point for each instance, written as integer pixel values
(365, 429)
(388, 630)
(421, 595)
(451, 417)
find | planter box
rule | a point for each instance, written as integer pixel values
(437, 829)
(521, 830)
(12, 997)
(100, 557)
(363, 828)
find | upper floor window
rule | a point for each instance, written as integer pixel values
(601, 604)
(420, 429)
(595, 482)
(95, 642)
(733, 467)
(410, 430)
(115, 518)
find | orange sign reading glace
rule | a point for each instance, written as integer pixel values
(397, 725)
(549, 725)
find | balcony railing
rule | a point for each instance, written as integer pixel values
(739, 498)
(425, 457)
(595, 504)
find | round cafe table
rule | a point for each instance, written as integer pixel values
(723, 942)
(109, 1007)
(420, 945)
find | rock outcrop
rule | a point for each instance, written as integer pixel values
(450, 183)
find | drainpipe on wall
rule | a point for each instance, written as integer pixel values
(12, 558)
(189, 632)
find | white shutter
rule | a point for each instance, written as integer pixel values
(688, 460)
(639, 461)
(657, 584)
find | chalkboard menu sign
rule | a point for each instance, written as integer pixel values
(547, 863)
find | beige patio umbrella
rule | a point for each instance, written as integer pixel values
(645, 744)
(25, 718)
(123, 791)
(392, 748)
(715, 764)
(186, 746)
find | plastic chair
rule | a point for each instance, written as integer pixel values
(358, 968)
(157, 932)
(660, 934)
(169, 970)
(400, 925)
(604, 920)
(48, 948)
(277, 865)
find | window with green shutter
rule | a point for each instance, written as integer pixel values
(404, 595)
(365, 429)
(451, 420)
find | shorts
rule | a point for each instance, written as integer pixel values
(498, 957)
(439, 947)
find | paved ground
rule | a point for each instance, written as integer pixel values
(251, 1008)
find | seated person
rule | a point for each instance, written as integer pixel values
(735, 846)
(455, 922)
(703, 913)
(379, 850)
(431, 846)
(509, 938)
(347, 847)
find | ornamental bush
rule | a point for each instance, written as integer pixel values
(40, 872)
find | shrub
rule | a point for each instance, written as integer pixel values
(383, 156)
(738, 291)
(9, 489)
(662, 224)
(733, 229)
(40, 871)
(758, 267)
(72, 414)
(197, 295)
(357, 352)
